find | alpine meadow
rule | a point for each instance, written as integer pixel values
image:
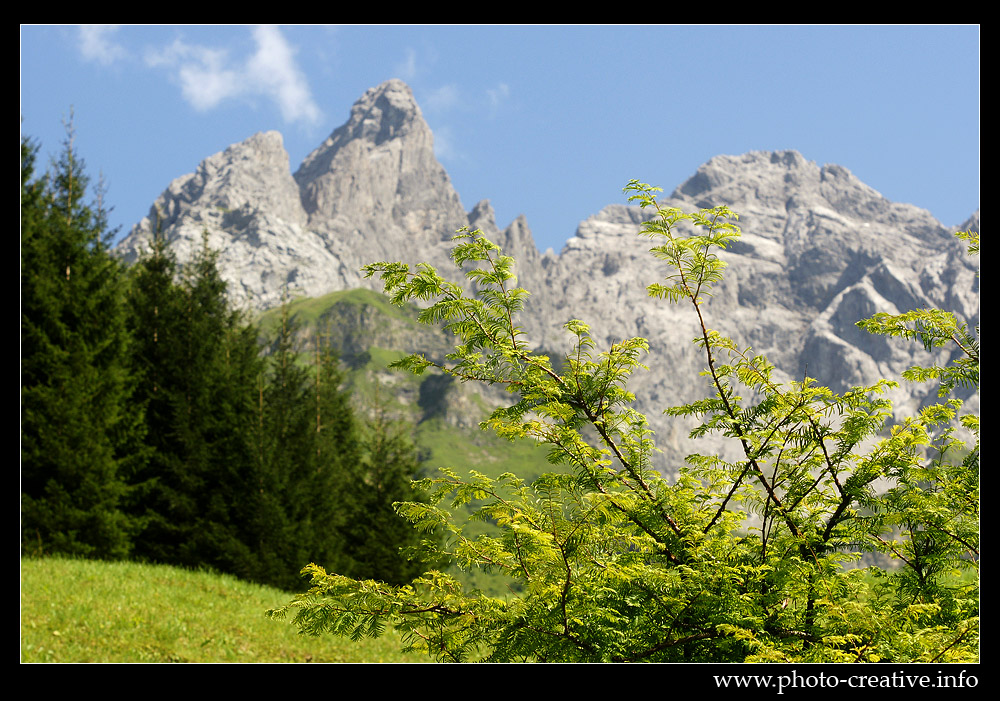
(745, 560)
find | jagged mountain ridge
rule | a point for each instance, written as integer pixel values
(820, 250)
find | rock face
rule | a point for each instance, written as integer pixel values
(371, 190)
(374, 187)
(820, 250)
(248, 203)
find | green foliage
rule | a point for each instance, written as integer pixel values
(378, 544)
(197, 365)
(79, 438)
(734, 561)
(153, 428)
(973, 238)
(248, 456)
(935, 328)
(327, 480)
(308, 456)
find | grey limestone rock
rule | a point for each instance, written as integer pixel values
(374, 188)
(820, 249)
(247, 203)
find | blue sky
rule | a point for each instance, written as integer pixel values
(546, 121)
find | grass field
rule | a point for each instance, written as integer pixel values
(88, 611)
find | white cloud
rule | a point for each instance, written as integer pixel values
(202, 73)
(96, 44)
(208, 76)
(498, 94)
(407, 70)
(444, 145)
(274, 70)
(442, 99)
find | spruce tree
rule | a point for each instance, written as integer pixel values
(198, 365)
(286, 461)
(78, 431)
(308, 455)
(337, 463)
(328, 485)
(379, 544)
(159, 501)
(215, 420)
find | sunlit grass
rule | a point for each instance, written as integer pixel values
(87, 611)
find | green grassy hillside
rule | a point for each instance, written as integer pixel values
(89, 611)
(369, 333)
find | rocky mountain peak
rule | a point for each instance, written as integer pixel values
(380, 167)
(266, 148)
(385, 112)
(483, 217)
(819, 249)
(371, 190)
(720, 171)
(971, 223)
(229, 190)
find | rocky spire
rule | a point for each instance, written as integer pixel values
(372, 191)
(379, 170)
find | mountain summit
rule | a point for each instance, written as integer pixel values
(378, 171)
(372, 189)
(820, 250)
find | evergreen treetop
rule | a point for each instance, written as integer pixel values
(79, 438)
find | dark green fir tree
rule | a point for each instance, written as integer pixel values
(380, 544)
(308, 453)
(80, 435)
(215, 421)
(337, 463)
(197, 364)
(286, 461)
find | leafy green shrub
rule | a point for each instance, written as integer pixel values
(735, 561)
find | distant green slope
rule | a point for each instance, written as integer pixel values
(312, 309)
(369, 333)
